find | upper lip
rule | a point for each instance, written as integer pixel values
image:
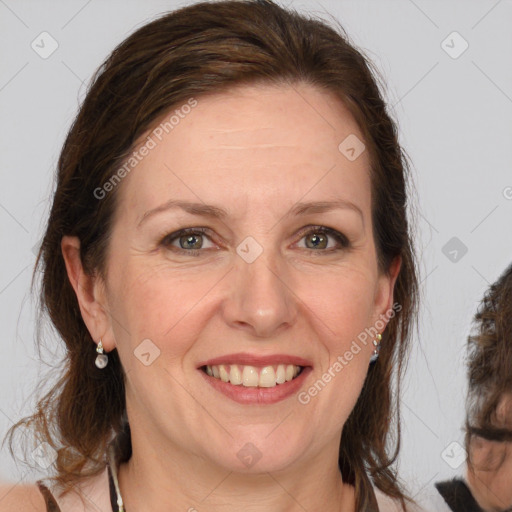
(256, 360)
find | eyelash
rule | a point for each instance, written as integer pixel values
(340, 238)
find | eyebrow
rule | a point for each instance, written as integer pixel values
(208, 210)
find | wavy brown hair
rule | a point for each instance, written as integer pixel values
(490, 365)
(197, 50)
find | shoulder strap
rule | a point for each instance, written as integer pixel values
(51, 504)
(112, 490)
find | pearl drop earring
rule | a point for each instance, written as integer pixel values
(376, 350)
(101, 358)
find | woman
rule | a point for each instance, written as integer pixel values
(229, 262)
(487, 485)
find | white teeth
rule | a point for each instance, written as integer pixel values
(281, 374)
(235, 376)
(252, 376)
(223, 373)
(267, 377)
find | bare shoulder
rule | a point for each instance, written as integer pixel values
(21, 497)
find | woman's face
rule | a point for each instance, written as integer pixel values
(490, 476)
(259, 290)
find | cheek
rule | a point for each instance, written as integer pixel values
(345, 310)
(504, 478)
(346, 305)
(169, 306)
(159, 304)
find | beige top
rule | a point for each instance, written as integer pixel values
(101, 492)
(94, 494)
(97, 491)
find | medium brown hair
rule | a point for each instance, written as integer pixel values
(197, 50)
(490, 366)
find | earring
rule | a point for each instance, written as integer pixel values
(376, 350)
(101, 358)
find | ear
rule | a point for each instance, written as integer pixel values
(91, 294)
(384, 292)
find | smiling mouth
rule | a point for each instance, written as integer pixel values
(253, 376)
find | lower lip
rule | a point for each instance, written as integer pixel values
(255, 395)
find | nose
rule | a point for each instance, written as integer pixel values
(260, 300)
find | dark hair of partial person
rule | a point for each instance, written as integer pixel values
(198, 50)
(490, 365)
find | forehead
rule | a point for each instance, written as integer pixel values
(253, 144)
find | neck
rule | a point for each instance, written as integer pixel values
(176, 480)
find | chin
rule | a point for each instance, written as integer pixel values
(259, 455)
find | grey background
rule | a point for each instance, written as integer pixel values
(454, 117)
